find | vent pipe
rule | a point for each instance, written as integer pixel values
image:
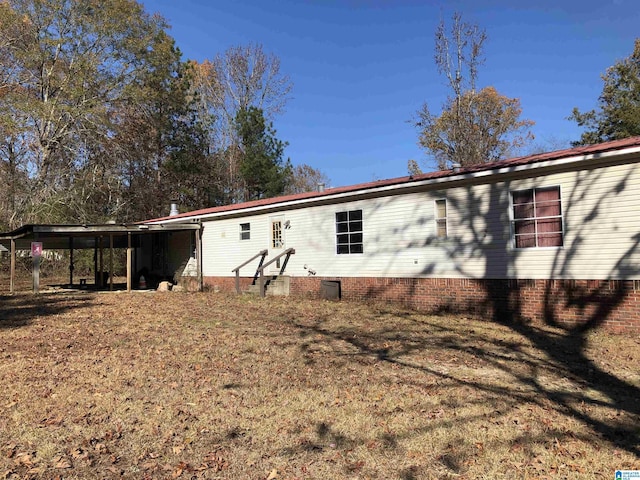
(174, 209)
(321, 187)
(456, 167)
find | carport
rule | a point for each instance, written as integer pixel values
(99, 237)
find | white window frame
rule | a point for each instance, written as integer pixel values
(512, 219)
(246, 231)
(438, 219)
(277, 233)
(349, 222)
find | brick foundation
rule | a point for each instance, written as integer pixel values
(582, 304)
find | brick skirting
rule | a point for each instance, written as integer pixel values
(583, 304)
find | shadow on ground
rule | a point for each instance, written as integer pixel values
(527, 357)
(20, 310)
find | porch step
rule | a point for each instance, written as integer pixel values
(277, 286)
(252, 290)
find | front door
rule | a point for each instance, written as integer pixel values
(276, 242)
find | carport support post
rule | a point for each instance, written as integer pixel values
(36, 269)
(95, 261)
(71, 261)
(128, 261)
(13, 267)
(111, 261)
(101, 276)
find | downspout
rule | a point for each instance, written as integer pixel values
(13, 267)
(199, 257)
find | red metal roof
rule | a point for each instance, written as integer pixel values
(512, 162)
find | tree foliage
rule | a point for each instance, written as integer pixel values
(241, 78)
(474, 126)
(263, 170)
(477, 127)
(75, 61)
(101, 119)
(618, 113)
(78, 73)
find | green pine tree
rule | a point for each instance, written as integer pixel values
(262, 168)
(618, 113)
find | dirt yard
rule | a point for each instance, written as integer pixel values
(191, 386)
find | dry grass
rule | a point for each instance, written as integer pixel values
(150, 385)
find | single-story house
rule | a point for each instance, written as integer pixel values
(551, 237)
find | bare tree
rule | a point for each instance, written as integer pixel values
(459, 54)
(305, 178)
(241, 78)
(474, 126)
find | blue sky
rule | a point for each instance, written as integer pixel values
(362, 68)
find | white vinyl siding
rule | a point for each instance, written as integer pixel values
(601, 232)
(180, 248)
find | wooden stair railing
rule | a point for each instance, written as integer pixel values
(261, 253)
(288, 252)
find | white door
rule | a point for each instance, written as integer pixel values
(276, 242)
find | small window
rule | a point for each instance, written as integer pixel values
(441, 218)
(276, 234)
(537, 218)
(349, 237)
(245, 231)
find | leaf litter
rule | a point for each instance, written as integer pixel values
(219, 386)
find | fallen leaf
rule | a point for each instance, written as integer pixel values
(11, 450)
(101, 448)
(53, 422)
(273, 475)
(180, 468)
(25, 459)
(177, 449)
(62, 462)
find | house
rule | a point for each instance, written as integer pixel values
(550, 237)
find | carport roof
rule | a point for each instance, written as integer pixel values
(57, 236)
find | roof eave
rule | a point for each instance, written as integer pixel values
(406, 183)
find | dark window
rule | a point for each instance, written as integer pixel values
(245, 231)
(537, 218)
(349, 237)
